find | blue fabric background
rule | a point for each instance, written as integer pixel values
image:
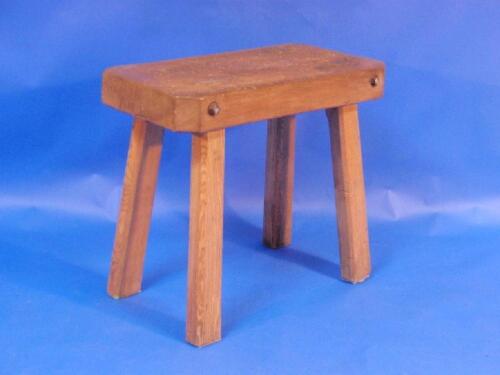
(431, 155)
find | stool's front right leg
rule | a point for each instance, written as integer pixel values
(203, 324)
(349, 193)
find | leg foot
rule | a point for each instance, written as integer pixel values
(132, 229)
(203, 324)
(349, 193)
(279, 182)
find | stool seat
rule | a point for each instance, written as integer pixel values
(211, 92)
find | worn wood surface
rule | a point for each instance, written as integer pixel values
(279, 182)
(135, 212)
(205, 238)
(349, 193)
(247, 86)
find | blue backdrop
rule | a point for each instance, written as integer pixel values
(431, 157)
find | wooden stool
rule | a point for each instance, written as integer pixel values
(204, 96)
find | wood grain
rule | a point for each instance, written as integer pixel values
(203, 325)
(349, 193)
(248, 86)
(132, 229)
(279, 182)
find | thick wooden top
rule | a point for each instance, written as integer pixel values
(210, 92)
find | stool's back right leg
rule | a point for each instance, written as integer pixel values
(279, 182)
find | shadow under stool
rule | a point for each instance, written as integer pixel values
(204, 96)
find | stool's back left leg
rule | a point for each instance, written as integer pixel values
(132, 229)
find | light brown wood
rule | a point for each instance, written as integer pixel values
(204, 95)
(349, 193)
(247, 86)
(132, 229)
(203, 325)
(279, 182)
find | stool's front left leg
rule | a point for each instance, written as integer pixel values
(203, 324)
(138, 192)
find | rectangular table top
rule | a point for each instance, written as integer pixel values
(210, 92)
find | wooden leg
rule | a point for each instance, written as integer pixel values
(203, 325)
(349, 193)
(279, 182)
(132, 229)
